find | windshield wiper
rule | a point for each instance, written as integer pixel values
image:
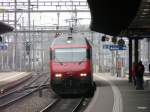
(81, 61)
(57, 60)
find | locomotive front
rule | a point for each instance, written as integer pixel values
(71, 67)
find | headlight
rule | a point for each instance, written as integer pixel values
(58, 75)
(83, 74)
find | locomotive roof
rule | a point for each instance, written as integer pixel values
(73, 41)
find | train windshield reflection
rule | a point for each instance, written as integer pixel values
(70, 55)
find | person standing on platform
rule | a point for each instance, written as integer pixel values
(140, 73)
(133, 74)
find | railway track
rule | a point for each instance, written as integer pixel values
(30, 82)
(10, 98)
(64, 105)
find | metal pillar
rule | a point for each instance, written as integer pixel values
(139, 84)
(148, 54)
(58, 16)
(130, 59)
(15, 38)
(2, 60)
(33, 49)
(42, 53)
(113, 61)
(92, 35)
(24, 50)
(99, 56)
(148, 50)
(29, 23)
(136, 52)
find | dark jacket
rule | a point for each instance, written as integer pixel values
(140, 70)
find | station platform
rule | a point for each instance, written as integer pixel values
(11, 79)
(134, 100)
(116, 94)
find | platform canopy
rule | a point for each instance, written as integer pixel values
(141, 23)
(4, 28)
(112, 16)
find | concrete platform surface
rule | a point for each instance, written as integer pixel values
(10, 79)
(116, 94)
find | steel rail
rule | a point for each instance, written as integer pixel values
(52, 104)
(19, 95)
(16, 90)
(76, 109)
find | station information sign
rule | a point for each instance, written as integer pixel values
(114, 47)
(3, 46)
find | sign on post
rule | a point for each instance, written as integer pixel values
(114, 47)
(3, 46)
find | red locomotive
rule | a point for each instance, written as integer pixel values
(71, 69)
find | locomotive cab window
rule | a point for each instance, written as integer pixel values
(70, 55)
(89, 53)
